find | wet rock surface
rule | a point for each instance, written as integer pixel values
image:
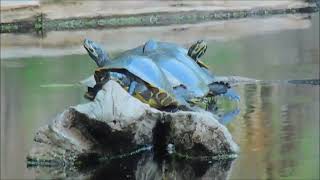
(117, 125)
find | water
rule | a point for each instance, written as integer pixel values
(277, 128)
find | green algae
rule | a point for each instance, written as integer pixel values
(9, 27)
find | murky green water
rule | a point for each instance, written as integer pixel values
(277, 128)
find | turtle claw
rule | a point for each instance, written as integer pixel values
(92, 92)
(89, 96)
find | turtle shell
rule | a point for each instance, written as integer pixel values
(177, 66)
(164, 66)
(175, 51)
(181, 54)
(185, 75)
(147, 70)
(144, 68)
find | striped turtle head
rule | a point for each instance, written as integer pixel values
(197, 50)
(96, 52)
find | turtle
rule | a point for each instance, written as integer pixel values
(196, 51)
(185, 82)
(176, 62)
(138, 75)
(189, 58)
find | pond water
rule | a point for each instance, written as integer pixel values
(277, 128)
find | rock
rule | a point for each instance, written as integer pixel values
(116, 124)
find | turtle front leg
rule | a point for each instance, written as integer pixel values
(101, 77)
(92, 92)
(132, 87)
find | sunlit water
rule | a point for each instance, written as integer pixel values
(277, 128)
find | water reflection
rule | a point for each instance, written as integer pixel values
(143, 167)
(277, 127)
(279, 135)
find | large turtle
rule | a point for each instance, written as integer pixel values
(139, 75)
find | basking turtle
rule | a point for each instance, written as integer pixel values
(138, 75)
(173, 61)
(188, 59)
(196, 51)
(177, 64)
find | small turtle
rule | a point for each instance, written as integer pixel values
(196, 51)
(181, 69)
(178, 65)
(188, 59)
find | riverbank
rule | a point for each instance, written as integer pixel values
(73, 15)
(60, 43)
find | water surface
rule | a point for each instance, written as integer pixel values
(277, 128)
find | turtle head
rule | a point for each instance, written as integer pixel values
(197, 50)
(96, 52)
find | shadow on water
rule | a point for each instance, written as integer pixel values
(143, 166)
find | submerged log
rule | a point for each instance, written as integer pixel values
(116, 124)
